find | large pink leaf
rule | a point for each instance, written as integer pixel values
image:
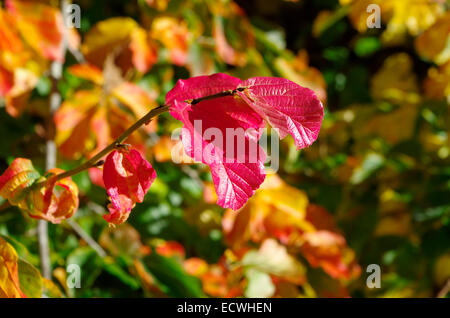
(239, 170)
(288, 107)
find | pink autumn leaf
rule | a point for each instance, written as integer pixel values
(238, 170)
(127, 177)
(287, 106)
(236, 174)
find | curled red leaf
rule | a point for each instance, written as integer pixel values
(127, 177)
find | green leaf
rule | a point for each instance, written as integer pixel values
(367, 46)
(30, 279)
(372, 162)
(172, 278)
(89, 262)
(120, 274)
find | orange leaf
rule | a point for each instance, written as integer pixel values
(40, 25)
(87, 71)
(433, 43)
(275, 211)
(52, 200)
(329, 251)
(171, 249)
(437, 83)
(144, 51)
(74, 118)
(195, 266)
(174, 35)
(137, 99)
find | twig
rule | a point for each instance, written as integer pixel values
(85, 236)
(218, 95)
(77, 55)
(44, 248)
(94, 161)
(193, 174)
(96, 208)
(50, 147)
(445, 290)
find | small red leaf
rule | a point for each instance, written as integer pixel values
(127, 177)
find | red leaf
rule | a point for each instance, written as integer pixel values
(237, 172)
(127, 177)
(289, 107)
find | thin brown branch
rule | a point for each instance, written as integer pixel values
(445, 290)
(86, 237)
(95, 160)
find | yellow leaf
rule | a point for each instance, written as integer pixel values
(106, 37)
(442, 269)
(401, 16)
(48, 200)
(413, 17)
(396, 81)
(134, 97)
(275, 209)
(434, 43)
(9, 274)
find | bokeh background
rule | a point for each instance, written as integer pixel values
(373, 189)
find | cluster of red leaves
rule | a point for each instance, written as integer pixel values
(286, 106)
(127, 176)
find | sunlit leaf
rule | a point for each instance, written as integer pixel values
(9, 272)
